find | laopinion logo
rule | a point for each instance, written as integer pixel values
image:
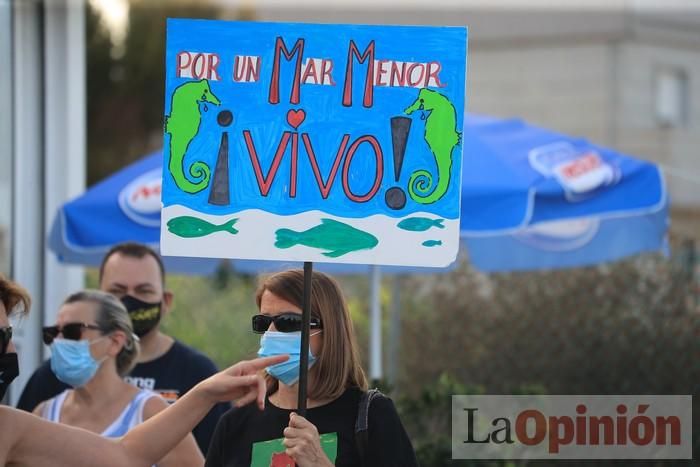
(572, 427)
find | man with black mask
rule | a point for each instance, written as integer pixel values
(135, 274)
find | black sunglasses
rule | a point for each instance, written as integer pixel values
(5, 336)
(70, 331)
(286, 322)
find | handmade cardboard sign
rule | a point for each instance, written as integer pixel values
(305, 142)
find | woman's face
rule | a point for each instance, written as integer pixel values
(85, 313)
(272, 305)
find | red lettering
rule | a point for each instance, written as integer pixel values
(325, 188)
(293, 166)
(310, 71)
(326, 68)
(433, 73)
(675, 425)
(368, 55)
(379, 173)
(253, 64)
(298, 50)
(198, 66)
(409, 73)
(264, 183)
(381, 71)
(211, 65)
(180, 66)
(398, 75)
(145, 192)
(594, 424)
(521, 427)
(239, 65)
(556, 438)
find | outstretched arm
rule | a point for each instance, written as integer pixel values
(30, 440)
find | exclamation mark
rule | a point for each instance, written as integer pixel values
(395, 197)
(220, 193)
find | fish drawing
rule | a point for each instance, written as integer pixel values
(420, 224)
(432, 243)
(335, 237)
(191, 227)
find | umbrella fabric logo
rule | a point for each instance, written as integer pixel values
(140, 199)
(580, 172)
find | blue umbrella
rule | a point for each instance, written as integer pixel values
(535, 199)
(531, 198)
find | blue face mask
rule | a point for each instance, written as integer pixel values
(72, 362)
(283, 343)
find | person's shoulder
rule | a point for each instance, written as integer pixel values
(381, 403)
(192, 357)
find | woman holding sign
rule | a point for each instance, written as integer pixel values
(336, 388)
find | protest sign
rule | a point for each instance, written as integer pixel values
(332, 143)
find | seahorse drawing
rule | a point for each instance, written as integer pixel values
(183, 125)
(442, 137)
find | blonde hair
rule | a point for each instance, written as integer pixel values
(111, 315)
(338, 365)
(14, 297)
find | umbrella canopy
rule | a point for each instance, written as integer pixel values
(531, 198)
(536, 199)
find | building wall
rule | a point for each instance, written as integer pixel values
(638, 129)
(565, 88)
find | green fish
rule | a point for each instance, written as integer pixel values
(191, 227)
(432, 243)
(420, 224)
(334, 236)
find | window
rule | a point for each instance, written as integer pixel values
(671, 97)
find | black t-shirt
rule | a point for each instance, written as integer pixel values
(170, 375)
(388, 443)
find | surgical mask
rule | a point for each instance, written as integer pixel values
(144, 316)
(283, 343)
(72, 362)
(9, 370)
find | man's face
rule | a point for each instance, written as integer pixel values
(4, 322)
(138, 277)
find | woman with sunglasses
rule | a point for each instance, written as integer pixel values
(30, 441)
(93, 347)
(336, 385)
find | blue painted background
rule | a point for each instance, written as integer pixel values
(326, 118)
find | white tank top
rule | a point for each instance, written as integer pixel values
(131, 416)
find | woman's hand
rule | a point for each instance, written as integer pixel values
(303, 443)
(241, 383)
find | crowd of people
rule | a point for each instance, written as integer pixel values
(116, 386)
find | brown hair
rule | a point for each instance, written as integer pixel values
(110, 316)
(338, 366)
(12, 294)
(133, 250)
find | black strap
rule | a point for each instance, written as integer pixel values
(362, 422)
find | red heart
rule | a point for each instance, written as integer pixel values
(296, 117)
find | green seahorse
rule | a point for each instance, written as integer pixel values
(442, 137)
(183, 125)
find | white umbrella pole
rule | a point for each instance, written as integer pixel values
(375, 336)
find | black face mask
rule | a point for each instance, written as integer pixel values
(9, 370)
(144, 316)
